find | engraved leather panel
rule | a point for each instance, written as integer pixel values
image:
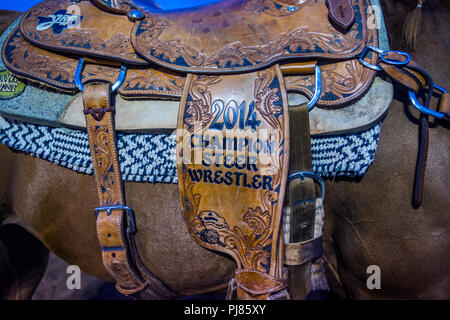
(152, 82)
(342, 82)
(235, 209)
(102, 146)
(91, 31)
(56, 70)
(114, 6)
(26, 60)
(252, 283)
(232, 36)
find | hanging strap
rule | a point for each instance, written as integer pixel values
(115, 221)
(302, 247)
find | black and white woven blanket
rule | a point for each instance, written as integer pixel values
(151, 157)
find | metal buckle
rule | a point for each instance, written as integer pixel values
(315, 177)
(116, 85)
(318, 88)
(128, 211)
(415, 102)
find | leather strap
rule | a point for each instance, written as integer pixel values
(444, 105)
(253, 284)
(301, 198)
(303, 252)
(415, 78)
(341, 13)
(421, 164)
(115, 221)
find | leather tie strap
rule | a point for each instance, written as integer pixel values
(254, 283)
(416, 79)
(341, 13)
(115, 221)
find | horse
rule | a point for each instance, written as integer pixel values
(369, 221)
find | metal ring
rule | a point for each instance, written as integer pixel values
(393, 61)
(415, 102)
(115, 86)
(78, 73)
(120, 79)
(317, 90)
(364, 54)
(315, 177)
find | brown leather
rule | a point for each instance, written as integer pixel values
(256, 285)
(233, 35)
(408, 77)
(341, 13)
(298, 68)
(249, 230)
(106, 167)
(115, 6)
(416, 79)
(112, 42)
(124, 6)
(400, 76)
(58, 71)
(444, 104)
(113, 229)
(344, 81)
(206, 47)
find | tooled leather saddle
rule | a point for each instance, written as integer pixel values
(243, 154)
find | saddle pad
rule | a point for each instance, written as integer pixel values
(151, 157)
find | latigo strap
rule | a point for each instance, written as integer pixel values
(232, 154)
(301, 206)
(115, 221)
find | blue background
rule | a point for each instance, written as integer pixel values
(23, 5)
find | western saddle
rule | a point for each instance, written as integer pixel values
(243, 154)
